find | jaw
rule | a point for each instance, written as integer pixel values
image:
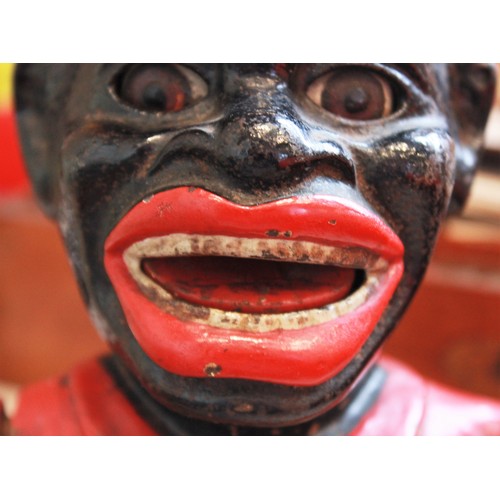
(221, 406)
(297, 331)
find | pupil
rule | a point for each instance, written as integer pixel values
(356, 100)
(154, 96)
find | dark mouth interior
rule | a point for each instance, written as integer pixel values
(252, 285)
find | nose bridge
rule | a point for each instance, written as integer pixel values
(255, 93)
(245, 78)
(264, 134)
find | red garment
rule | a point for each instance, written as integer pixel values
(88, 402)
(410, 405)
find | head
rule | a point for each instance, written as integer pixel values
(246, 236)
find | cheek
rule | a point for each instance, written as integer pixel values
(100, 172)
(428, 164)
(95, 169)
(98, 162)
(409, 177)
(409, 180)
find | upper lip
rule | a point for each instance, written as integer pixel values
(321, 219)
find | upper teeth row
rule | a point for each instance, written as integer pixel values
(176, 245)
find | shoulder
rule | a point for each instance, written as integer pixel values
(453, 412)
(84, 402)
(409, 404)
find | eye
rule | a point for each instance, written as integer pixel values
(354, 93)
(165, 88)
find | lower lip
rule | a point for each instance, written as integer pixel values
(303, 357)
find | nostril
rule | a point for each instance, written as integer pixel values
(331, 167)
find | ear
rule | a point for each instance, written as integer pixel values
(472, 89)
(40, 96)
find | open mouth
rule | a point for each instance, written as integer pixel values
(251, 285)
(283, 292)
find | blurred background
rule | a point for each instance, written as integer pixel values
(450, 333)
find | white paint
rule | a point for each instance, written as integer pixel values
(257, 248)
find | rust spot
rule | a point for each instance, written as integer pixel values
(317, 253)
(207, 246)
(243, 408)
(332, 222)
(426, 179)
(282, 70)
(182, 310)
(273, 233)
(212, 369)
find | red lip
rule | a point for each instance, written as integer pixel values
(295, 348)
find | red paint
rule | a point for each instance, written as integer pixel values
(13, 178)
(88, 402)
(250, 285)
(410, 405)
(306, 356)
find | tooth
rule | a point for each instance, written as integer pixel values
(292, 251)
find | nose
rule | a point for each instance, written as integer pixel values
(258, 138)
(264, 141)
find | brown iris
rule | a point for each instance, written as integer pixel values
(354, 93)
(160, 87)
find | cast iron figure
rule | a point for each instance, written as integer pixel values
(246, 236)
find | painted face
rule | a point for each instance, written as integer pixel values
(246, 235)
